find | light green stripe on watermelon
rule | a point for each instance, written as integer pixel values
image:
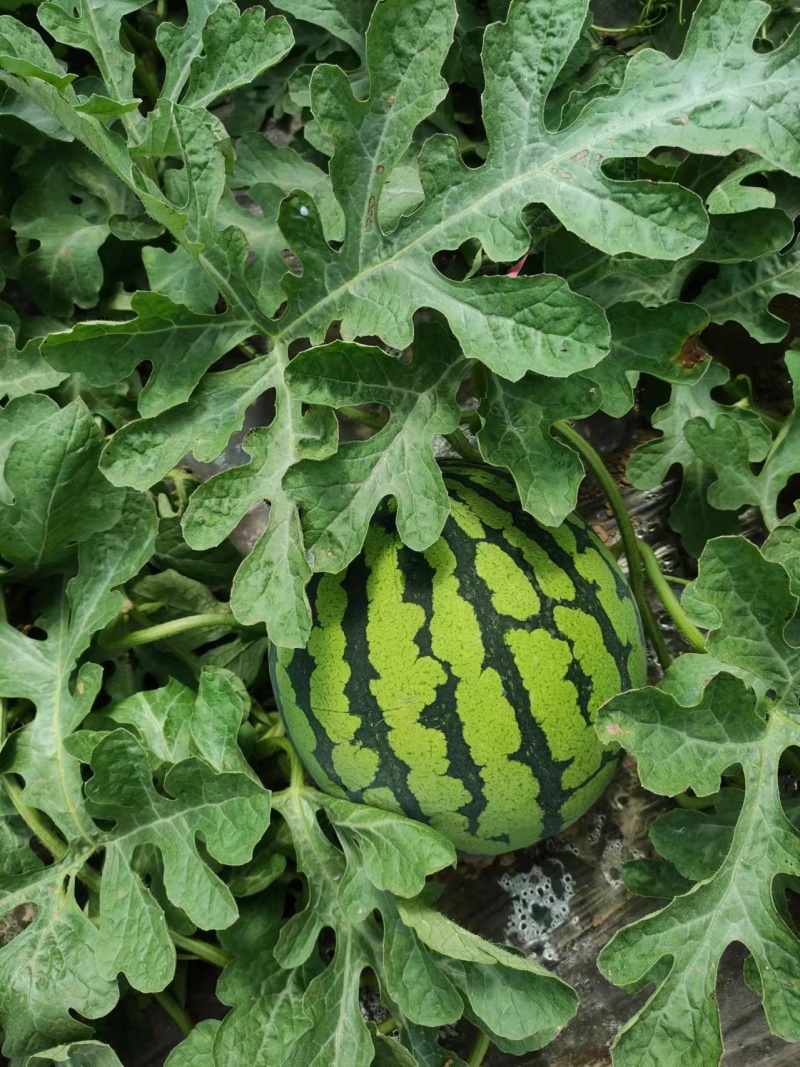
(588, 649)
(552, 581)
(464, 518)
(355, 765)
(554, 700)
(593, 567)
(407, 682)
(488, 720)
(512, 593)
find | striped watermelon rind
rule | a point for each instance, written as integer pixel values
(460, 685)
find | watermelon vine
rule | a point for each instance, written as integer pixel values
(313, 317)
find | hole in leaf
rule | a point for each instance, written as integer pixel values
(16, 922)
(352, 428)
(788, 902)
(35, 633)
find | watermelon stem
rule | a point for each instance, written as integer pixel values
(479, 1050)
(459, 443)
(176, 1011)
(628, 535)
(669, 600)
(170, 629)
(296, 770)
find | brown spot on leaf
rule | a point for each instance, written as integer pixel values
(580, 155)
(390, 99)
(615, 729)
(691, 354)
(370, 213)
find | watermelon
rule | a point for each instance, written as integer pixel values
(459, 685)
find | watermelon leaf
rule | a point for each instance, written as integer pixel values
(78, 1054)
(728, 451)
(340, 494)
(720, 722)
(50, 969)
(198, 1048)
(237, 47)
(429, 970)
(227, 236)
(375, 281)
(179, 344)
(513, 997)
(742, 292)
(42, 671)
(693, 515)
(516, 434)
(54, 496)
(229, 810)
(176, 723)
(24, 370)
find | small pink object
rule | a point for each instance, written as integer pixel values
(514, 272)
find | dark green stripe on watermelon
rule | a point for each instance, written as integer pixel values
(459, 685)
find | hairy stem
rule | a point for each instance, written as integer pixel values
(471, 419)
(626, 531)
(669, 600)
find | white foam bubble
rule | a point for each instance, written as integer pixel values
(540, 903)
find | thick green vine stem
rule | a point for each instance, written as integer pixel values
(629, 538)
(51, 841)
(479, 1050)
(203, 950)
(459, 443)
(669, 600)
(176, 1011)
(297, 773)
(169, 629)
